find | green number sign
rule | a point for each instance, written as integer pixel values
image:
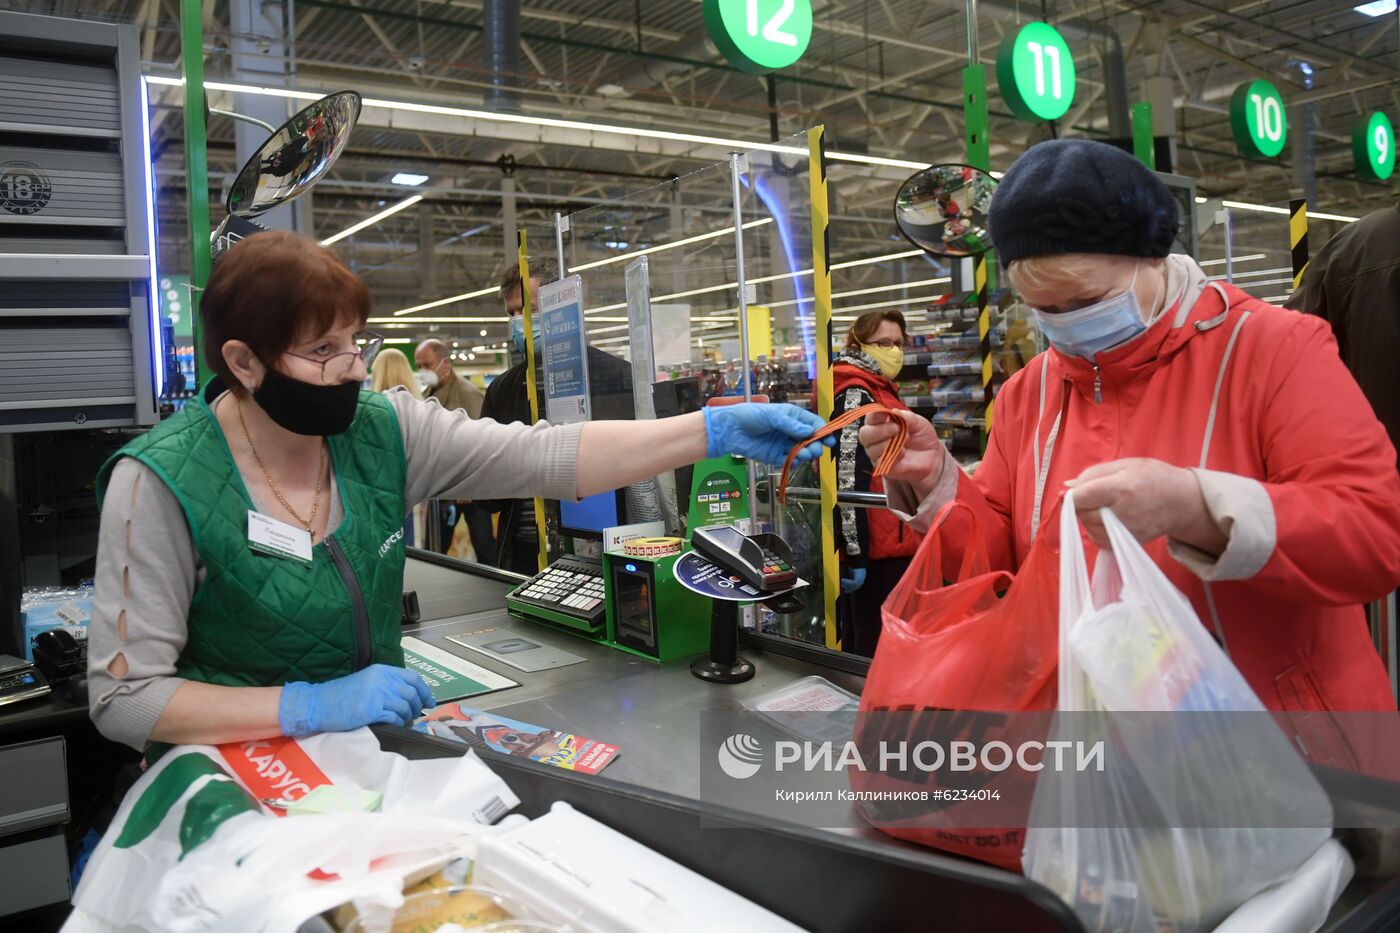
(759, 36)
(1035, 72)
(1258, 120)
(1373, 146)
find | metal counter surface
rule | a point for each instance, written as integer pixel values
(650, 711)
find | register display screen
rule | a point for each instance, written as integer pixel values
(728, 537)
(591, 515)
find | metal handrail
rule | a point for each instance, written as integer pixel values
(861, 500)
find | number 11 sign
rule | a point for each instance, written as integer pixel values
(759, 36)
(1035, 72)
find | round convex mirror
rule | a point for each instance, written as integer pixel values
(295, 156)
(943, 210)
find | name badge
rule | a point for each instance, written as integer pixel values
(269, 536)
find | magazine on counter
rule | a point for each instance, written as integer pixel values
(481, 729)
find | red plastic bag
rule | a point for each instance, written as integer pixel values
(987, 642)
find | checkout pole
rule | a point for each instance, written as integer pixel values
(738, 165)
(979, 155)
(196, 170)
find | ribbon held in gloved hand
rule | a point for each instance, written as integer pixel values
(892, 450)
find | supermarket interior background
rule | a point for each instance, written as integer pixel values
(734, 183)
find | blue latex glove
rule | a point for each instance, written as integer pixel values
(762, 431)
(379, 693)
(849, 584)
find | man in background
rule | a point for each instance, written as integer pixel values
(1354, 284)
(441, 381)
(609, 398)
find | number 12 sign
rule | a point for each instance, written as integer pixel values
(759, 36)
(1035, 72)
(1257, 119)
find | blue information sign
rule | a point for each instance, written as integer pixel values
(565, 353)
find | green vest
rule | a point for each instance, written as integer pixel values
(262, 621)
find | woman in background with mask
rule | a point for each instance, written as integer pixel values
(1223, 431)
(874, 545)
(250, 558)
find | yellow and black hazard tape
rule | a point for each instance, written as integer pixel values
(1298, 237)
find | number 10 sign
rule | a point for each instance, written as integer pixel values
(1257, 119)
(759, 36)
(1035, 72)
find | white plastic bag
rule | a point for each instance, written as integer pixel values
(192, 849)
(1301, 903)
(1152, 843)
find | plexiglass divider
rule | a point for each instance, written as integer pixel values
(663, 292)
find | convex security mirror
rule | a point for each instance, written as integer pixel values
(943, 210)
(288, 164)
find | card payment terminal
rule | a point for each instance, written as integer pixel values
(762, 560)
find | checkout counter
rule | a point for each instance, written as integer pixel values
(827, 880)
(820, 879)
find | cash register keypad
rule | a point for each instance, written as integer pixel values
(569, 586)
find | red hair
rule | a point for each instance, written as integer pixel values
(272, 291)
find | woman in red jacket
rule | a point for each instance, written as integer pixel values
(1223, 431)
(874, 545)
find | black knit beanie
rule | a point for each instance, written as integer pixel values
(1080, 196)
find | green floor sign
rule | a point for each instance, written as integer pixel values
(1373, 146)
(448, 676)
(759, 36)
(1257, 119)
(1035, 72)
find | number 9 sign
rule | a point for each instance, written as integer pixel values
(1373, 146)
(1257, 119)
(759, 36)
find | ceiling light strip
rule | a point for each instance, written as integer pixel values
(371, 221)
(1233, 259)
(665, 246)
(635, 132)
(467, 296)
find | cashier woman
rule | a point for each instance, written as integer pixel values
(1223, 431)
(250, 560)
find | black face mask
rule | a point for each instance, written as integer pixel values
(305, 408)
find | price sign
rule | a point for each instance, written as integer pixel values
(759, 36)
(1035, 72)
(1373, 146)
(1257, 119)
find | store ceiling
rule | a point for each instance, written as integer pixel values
(882, 75)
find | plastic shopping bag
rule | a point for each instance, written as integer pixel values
(967, 646)
(199, 843)
(1161, 839)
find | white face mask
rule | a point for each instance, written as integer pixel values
(1088, 331)
(427, 379)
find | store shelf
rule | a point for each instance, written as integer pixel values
(961, 368)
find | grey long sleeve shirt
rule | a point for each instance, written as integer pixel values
(148, 569)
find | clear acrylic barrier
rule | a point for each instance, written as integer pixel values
(1259, 255)
(685, 231)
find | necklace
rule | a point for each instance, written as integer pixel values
(310, 520)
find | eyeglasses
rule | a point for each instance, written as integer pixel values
(888, 344)
(338, 366)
